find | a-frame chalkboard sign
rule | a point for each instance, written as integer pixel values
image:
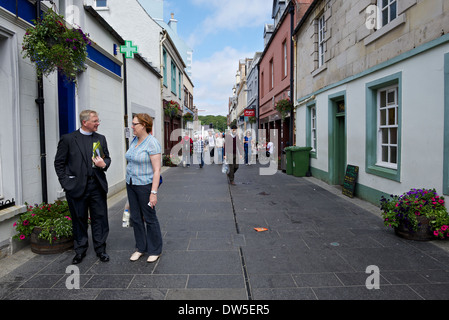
(350, 180)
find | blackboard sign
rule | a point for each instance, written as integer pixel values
(350, 180)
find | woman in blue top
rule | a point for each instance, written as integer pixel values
(142, 181)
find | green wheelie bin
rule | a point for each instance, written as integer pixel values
(300, 160)
(288, 161)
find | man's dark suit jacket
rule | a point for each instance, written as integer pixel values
(71, 164)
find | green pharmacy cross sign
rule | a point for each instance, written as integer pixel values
(128, 49)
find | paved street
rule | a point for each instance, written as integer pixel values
(317, 247)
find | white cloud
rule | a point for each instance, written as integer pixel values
(229, 15)
(214, 79)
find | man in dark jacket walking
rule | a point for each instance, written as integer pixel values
(232, 148)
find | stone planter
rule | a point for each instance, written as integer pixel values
(43, 246)
(424, 232)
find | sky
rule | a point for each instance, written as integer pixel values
(220, 34)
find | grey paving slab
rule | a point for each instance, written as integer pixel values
(317, 247)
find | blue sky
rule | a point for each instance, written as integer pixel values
(220, 34)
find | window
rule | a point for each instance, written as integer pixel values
(271, 74)
(313, 128)
(321, 37)
(387, 141)
(383, 127)
(180, 84)
(164, 57)
(101, 3)
(284, 46)
(387, 11)
(173, 78)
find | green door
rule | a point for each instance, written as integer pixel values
(340, 148)
(337, 139)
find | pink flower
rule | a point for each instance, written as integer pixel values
(33, 214)
(435, 233)
(444, 228)
(22, 237)
(15, 224)
(441, 201)
(26, 222)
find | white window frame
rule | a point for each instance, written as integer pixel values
(98, 6)
(384, 113)
(321, 39)
(313, 135)
(387, 10)
(285, 59)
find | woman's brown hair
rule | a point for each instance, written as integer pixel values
(145, 120)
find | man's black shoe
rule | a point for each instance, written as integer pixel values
(103, 256)
(78, 258)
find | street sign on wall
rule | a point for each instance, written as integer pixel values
(249, 113)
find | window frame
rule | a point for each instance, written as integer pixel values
(164, 72)
(173, 78)
(311, 130)
(381, 10)
(101, 6)
(321, 22)
(387, 126)
(285, 58)
(372, 165)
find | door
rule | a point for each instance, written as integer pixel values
(340, 148)
(337, 139)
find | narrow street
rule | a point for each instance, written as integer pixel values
(318, 246)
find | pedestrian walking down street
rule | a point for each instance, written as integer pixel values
(270, 150)
(219, 141)
(187, 149)
(142, 181)
(232, 148)
(199, 149)
(211, 144)
(81, 160)
(247, 146)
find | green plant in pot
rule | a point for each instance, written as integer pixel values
(415, 209)
(53, 221)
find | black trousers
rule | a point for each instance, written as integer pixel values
(93, 200)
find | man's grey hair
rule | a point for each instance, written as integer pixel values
(85, 115)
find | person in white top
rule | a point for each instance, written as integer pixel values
(219, 140)
(270, 148)
(211, 145)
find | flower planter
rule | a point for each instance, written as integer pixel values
(43, 246)
(424, 232)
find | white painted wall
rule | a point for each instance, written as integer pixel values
(422, 123)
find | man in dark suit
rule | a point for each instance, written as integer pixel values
(81, 161)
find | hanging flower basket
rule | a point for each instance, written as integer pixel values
(188, 117)
(51, 46)
(172, 109)
(284, 106)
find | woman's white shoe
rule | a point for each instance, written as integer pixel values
(152, 259)
(136, 255)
